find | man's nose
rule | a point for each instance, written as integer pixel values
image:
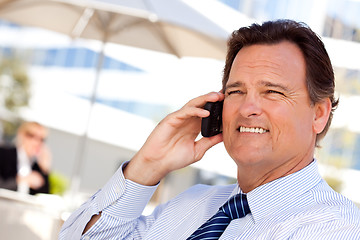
(250, 106)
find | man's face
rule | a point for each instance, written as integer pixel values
(267, 114)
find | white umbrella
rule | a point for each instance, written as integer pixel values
(169, 26)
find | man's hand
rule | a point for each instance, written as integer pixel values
(172, 144)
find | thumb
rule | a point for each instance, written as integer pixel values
(205, 144)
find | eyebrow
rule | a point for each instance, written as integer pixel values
(263, 83)
(235, 84)
(275, 85)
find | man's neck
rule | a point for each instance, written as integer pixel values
(251, 177)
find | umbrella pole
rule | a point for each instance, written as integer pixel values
(83, 141)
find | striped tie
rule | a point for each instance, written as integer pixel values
(235, 207)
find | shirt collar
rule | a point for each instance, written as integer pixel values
(23, 162)
(267, 198)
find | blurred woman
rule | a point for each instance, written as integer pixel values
(25, 166)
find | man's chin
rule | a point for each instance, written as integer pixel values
(248, 159)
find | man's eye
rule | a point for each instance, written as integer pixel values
(276, 92)
(234, 92)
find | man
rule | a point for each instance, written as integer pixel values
(278, 92)
(25, 167)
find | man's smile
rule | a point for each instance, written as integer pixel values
(252, 130)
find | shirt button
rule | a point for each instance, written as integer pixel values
(86, 238)
(113, 203)
(117, 189)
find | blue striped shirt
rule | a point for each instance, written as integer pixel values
(297, 206)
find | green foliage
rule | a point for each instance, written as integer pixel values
(334, 183)
(14, 93)
(58, 183)
(337, 154)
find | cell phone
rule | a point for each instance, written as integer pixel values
(211, 125)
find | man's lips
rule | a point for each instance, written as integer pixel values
(252, 130)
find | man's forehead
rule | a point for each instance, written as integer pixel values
(268, 62)
(37, 129)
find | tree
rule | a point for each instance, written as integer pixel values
(14, 94)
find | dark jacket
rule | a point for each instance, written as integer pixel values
(8, 171)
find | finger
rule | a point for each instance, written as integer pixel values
(185, 113)
(210, 97)
(194, 108)
(205, 144)
(193, 112)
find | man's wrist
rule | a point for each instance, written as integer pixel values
(141, 173)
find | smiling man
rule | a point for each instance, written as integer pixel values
(270, 124)
(278, 102)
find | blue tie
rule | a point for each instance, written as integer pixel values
(236, 207)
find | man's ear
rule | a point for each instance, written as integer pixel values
(321, 117)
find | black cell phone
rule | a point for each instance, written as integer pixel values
(211, 125)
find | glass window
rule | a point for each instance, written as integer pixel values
(50, 57)
(90, 58)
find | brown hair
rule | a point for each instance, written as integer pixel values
(319, 72)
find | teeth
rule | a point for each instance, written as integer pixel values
(252, 130)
